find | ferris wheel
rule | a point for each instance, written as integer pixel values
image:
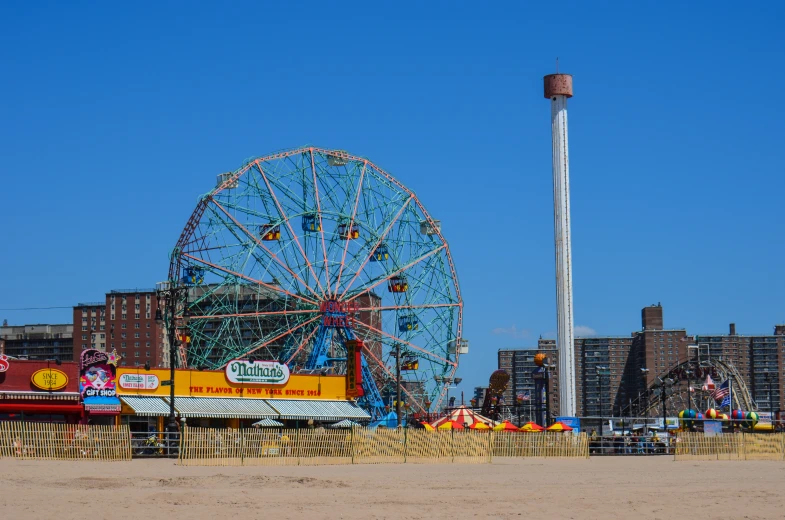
(297, 253)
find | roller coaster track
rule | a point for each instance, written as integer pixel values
(650, 403)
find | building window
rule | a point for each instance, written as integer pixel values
(137, 315)
(136, 325)
(84, 338)
(122, 326)
(147, 335)
(112, 317)
(136, 344)
(148, 344)
(122, 345)
(148, 325)
(123, 316)
(136, 334)
(147, 354)
(84, 347)
(84, 329)
(136, 354)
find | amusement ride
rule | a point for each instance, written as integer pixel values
(304, 255)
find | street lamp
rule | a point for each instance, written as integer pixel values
(449, 381)
(170, 295)
(601, 371)
(767, 377)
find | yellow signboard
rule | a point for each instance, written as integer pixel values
(49, 379)
(197, 383)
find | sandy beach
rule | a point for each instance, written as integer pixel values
(602, 488)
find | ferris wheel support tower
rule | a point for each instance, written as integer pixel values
(558, 87)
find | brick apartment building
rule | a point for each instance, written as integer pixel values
(613, 371)
(37, 341)
(125, 322)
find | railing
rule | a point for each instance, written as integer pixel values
(155, 444)
(730, 446)
(241, 447)
(630, 445)
(64, 441)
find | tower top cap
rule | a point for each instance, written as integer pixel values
(558, 85)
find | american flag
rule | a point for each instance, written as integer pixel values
(726, 401)
(525, 396)
(722, 392)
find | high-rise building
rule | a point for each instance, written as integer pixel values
(767, 369)
(89, 327)
(519, 364)
(132, 329)
(38, 341)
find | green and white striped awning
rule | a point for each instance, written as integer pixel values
(222, 407)
(317, 410)
(146, 406)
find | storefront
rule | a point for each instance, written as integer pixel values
(240, 395)
(39, 391)
(97, 386)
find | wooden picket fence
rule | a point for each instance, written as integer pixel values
(300, 447)
(730, 446)
(47, 441)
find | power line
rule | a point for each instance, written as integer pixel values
(36, 308)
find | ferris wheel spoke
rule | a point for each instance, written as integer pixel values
(381, 280)
(289, 225)
(254, 348)
(321, 223)
(351, 224)
(375, 246)
(396, 339)
(408, 307)
(251, 314)
(301, 345)
(261, 245)
(380, 364)
(249, 279)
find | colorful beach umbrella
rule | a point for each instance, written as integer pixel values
(505, 426)
(428, 427)
(558, 427)
(450, 425)
(532, 427)
(479, 426)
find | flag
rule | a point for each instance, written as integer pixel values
(722, 392)
(725, 401)
(524, 396)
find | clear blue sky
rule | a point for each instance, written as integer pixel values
(115, 119)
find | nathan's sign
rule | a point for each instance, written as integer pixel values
(138, 381)
(257, 372)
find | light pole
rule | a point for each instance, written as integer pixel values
(449, 381)
(601, 372)
(767, 377)
(645, 378)
(170, 295)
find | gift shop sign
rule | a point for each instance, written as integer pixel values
(49, 379)
(139, 381)
(257, 373)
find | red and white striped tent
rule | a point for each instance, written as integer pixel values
(465, 416)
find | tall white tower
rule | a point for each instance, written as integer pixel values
(558, 87)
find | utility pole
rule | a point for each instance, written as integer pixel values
(398, 383)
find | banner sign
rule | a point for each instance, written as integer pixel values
(257, 372)
(351, 369)
(49, 379)
(712, 428)
(97, 371)
(139, 381)
(4, 364)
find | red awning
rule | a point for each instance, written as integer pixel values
(40, 408)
